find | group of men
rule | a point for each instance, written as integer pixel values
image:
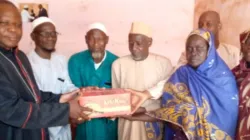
(31, 88)
(29, 16)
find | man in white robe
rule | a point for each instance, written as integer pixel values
(141, 71)
(50, 69)
(210, 20)
(26, 17)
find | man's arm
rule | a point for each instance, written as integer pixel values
(140, 117)
(49, 97)
(29, 16)
(67, 84)
(115, 76)
(17, 112)
(166, 71)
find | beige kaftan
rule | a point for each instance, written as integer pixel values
(149, 74)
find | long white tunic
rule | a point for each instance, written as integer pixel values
(26, 17)
(52, 75)
(149, 74)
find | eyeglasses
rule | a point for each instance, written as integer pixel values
(48, 34)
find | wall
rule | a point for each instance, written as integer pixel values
(234, 17)
(171, 22)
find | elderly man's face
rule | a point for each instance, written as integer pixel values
(40, 6)
(196, 49)
(45, 36)
(139, 46)
(210, 22)
(96, 41)
(10, 26)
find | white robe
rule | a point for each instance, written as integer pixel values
(26, 17)
(149, 74)
(52, 75)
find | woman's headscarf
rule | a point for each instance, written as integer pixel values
(203, 102)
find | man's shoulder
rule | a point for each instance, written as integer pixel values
(231, 48)
(21, 53)
(160, 58)
(59, 56)
(31, 56)
(111, 55)
(121, 60)
(79, 55)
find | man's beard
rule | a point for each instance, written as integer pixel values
(96, 55)
(137, 57)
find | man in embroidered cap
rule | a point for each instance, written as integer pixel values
(210, 20)
(145, 72)
(26, 112)
(50, 69)
(92, 67)
(26, 17)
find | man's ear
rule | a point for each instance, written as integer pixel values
(86, 39)
(219, 26)
(32, 35)
(107, 40)
(150, 42)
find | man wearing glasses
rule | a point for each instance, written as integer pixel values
(49, 68)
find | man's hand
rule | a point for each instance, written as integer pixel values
(138, 98)
(140, 110)
(139, 117)
(69, 96)
(127, 117)
(78, 114)
(84, 89)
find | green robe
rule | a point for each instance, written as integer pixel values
(83, 73)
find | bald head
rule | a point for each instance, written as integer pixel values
(10, 25)
(210, 20)
(7, 3)
(212, 14)
(7, 6)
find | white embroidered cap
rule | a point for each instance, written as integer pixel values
(26, 6)
(40, 21)
(99, 26)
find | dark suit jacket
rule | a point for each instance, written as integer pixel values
(43, 13)
(21, 118)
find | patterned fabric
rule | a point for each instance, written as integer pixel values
(242, 74)
(153, 130)
(244, 36)
(197, 100)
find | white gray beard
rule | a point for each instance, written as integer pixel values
(96, 55)
(137, 58)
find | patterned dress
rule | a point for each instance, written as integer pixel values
(242, 74)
